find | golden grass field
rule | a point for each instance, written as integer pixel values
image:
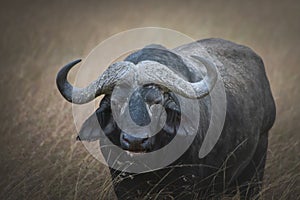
(39, 157)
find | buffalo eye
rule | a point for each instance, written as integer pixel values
(171, 102)
(152, 94)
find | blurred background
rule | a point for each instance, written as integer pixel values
(39, 157)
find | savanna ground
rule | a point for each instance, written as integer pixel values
(39, 158)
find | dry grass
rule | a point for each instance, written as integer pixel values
(39, 157)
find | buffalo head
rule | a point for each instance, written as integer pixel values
(163, 83)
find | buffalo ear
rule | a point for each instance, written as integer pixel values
(90, 130)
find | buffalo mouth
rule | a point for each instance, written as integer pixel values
(135, 144)
(135, 153)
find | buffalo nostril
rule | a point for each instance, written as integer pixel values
(131, 143)
(144, 140)
(134, 140)
(125, 139)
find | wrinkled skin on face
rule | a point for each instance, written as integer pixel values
(142, 98)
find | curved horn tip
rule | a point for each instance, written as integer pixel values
(61, 80)
(73, 63)
(211, 75)
(66, 68)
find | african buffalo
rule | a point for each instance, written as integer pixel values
(236, 162)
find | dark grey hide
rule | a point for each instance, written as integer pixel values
(237, 160)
